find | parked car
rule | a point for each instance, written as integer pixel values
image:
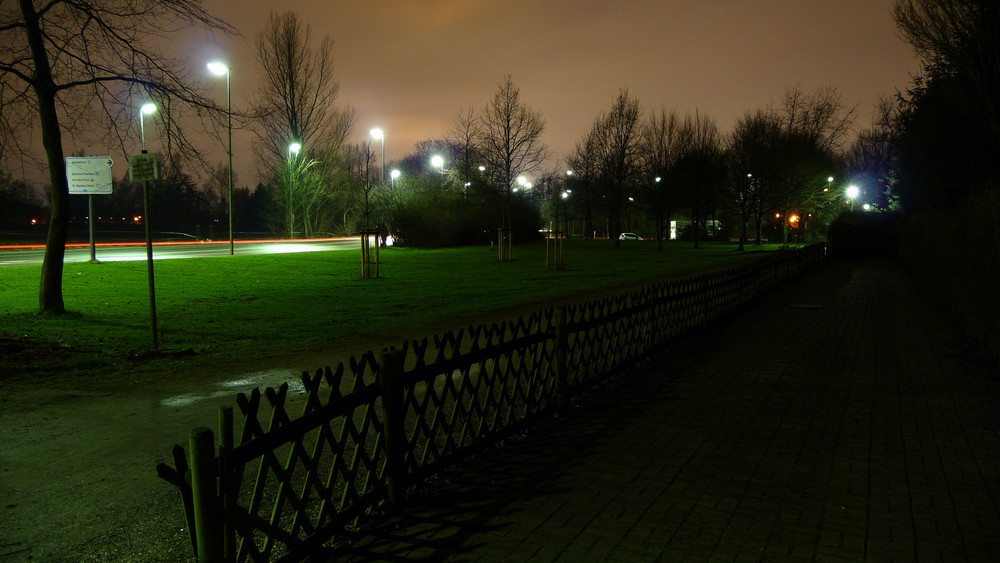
(629, 236)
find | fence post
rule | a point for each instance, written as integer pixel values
(390, 377)
(561, 353)
(203, 491)
(227, 484)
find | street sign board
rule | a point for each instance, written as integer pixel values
(89, 174)
(142, 167)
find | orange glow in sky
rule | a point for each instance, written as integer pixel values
(410, 67)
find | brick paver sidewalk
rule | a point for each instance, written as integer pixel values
(837, 420)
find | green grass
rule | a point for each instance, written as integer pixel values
(247, 309)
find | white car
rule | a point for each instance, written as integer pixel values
(629, 236)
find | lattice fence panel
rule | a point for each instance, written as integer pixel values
(470, 387)
(299, 481)
(606, 336)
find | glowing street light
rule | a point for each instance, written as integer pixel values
(437, 161)
(147, 108)
(829, 180)
(852, 193)
(222, 69)
(394, 175)
(379, 135)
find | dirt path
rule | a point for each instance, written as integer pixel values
(78, 469)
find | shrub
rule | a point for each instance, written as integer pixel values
(864, 234)
(956, 251)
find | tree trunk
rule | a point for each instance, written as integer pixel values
(50, 297)
(743, 229)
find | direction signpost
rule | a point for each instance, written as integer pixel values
(89, 175)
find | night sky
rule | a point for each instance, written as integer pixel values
(409, 67)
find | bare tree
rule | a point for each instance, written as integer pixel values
(874, 154)
(362, 172)
(617, 134)
(821, 118)
(464, 135)
(659, 150)
(510, 141)
(83, 67)
(699, 170)
(296, 103)
(583, 163)
(752, 163)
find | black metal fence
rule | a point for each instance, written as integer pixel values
(367, 431)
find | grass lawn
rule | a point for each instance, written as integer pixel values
(247, 309)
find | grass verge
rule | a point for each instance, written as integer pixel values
(249, 310)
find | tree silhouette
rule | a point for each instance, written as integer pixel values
(84, 67)
(295, 102)
(510, 141)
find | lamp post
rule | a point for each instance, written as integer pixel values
(393, 176)
(379, 135)
(219, 69)
(852, 193)
(565, 196)
(437, 161)
(293, 152)
(148, 109)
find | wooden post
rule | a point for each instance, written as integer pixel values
(561, 354)
(364, 254)
(390, 377)
(201, 445)
(227, 485)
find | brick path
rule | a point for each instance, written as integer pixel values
(837, 420)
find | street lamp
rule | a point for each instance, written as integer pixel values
(437, 161)
(379, 135)
(220, 69)
(148, 108)
(394, 175)
(829, 180)
(293, 152)
(852, 193)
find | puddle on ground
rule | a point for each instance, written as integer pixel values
(244, 383)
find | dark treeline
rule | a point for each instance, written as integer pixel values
(947, 134)
(177, 203)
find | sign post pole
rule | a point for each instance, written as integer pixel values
(149, 264)
(90, 214)
(142, 168)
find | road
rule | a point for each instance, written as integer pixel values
(121, 252)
